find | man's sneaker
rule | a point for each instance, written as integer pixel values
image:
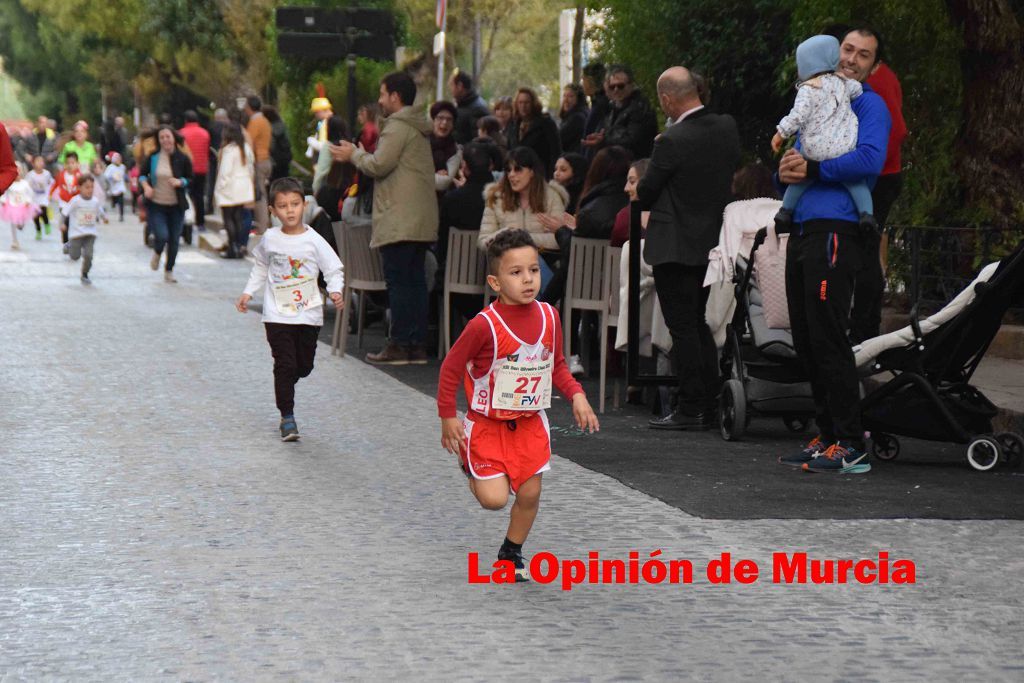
(154, 261)
(813, 450)
(516, 558)
(576, 367)
(86, 280)
(289, 430)
(417, 355)
(391, 354)
(840, 458)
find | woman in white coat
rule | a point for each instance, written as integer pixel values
(235, 187)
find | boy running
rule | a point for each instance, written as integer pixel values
(82, 215)
(65, 187)
(508, 356)
(40, 180)
(287, 262)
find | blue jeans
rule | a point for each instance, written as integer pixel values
(242, 236)
(407, 291)
(165, 222)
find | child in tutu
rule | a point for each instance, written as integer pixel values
(16, 207)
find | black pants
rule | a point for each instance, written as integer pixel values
(118, 201)
(866, 318)
(683, 298)
(232, 217)
(197, 191)
(42, 218)
(820, 272)
(293, 348)
(407, 291)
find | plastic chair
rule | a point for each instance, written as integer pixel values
(611, 283)
(587, 288)
(465, 272)
(363, 273)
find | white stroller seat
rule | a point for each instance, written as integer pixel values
(867, 351)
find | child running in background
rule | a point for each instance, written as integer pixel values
(286, 264)
(100, 190)
(40, 180)
(83, 214)
(16, 207)
(115, 175)
(507, 358)
(825, 120)
(65, 187)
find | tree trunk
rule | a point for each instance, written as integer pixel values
(577, 42)
(990, 152)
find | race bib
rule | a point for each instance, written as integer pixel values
(295, 295)
(85, 218)
(523, 385)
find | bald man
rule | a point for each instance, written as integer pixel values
(686, 188)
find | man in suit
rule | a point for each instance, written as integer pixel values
(686, 188)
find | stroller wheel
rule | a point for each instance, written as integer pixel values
(795, 423)
(984, 453)
(884, 446)
(1013, 448)
(732, 413)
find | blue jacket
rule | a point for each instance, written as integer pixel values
(827, 199)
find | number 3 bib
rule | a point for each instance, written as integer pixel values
(295, 295)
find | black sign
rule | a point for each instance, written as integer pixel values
(335, 46)
(321, 20)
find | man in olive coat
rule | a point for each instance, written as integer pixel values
(686, 188)
(404, 214)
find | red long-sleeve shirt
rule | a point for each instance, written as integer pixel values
(8, 171)
(887, 85)
(198, 141)
(475, 347)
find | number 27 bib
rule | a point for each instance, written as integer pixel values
(296, 295)
(523, 385)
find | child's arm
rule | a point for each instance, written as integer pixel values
(803, 107)
(257, 277)
(853, 88)
(475, 339)
(334, 274)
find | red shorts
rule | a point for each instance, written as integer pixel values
(517, 449)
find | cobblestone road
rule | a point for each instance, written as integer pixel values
(154, 528)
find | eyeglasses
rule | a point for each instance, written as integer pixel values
(618, 86)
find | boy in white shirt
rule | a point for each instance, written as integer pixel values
(115, 175)
(83, 214)
(40, 180)
(287, 262)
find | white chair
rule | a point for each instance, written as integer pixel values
(363, 273)
(465, 272)
(589, 287)
(611, 285)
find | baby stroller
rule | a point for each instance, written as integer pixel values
(930, 396)
(763, 374)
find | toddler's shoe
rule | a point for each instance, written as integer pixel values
(840, 458)
(783, 222)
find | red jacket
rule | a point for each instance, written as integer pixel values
(885, 83)
(8, 171)
(198, 141)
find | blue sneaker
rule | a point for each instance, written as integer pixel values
(840, 458)
(813, 450)
(289, 430)
(516, 558)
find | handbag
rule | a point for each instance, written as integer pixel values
(770, 269)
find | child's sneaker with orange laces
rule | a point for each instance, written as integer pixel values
(842, 458)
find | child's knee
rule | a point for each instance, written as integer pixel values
(490, 499)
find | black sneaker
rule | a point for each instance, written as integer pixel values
(289, 430)
(681, 421)
(516, 558)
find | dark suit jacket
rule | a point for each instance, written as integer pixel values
(687, 186)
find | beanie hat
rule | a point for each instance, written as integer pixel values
(817, 55)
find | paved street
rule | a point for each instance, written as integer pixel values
(155, 528)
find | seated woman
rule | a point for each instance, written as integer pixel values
(600, 201)
(520, 198)
(620, 233)
(570, 172)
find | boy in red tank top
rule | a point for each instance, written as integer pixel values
(508, 357)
